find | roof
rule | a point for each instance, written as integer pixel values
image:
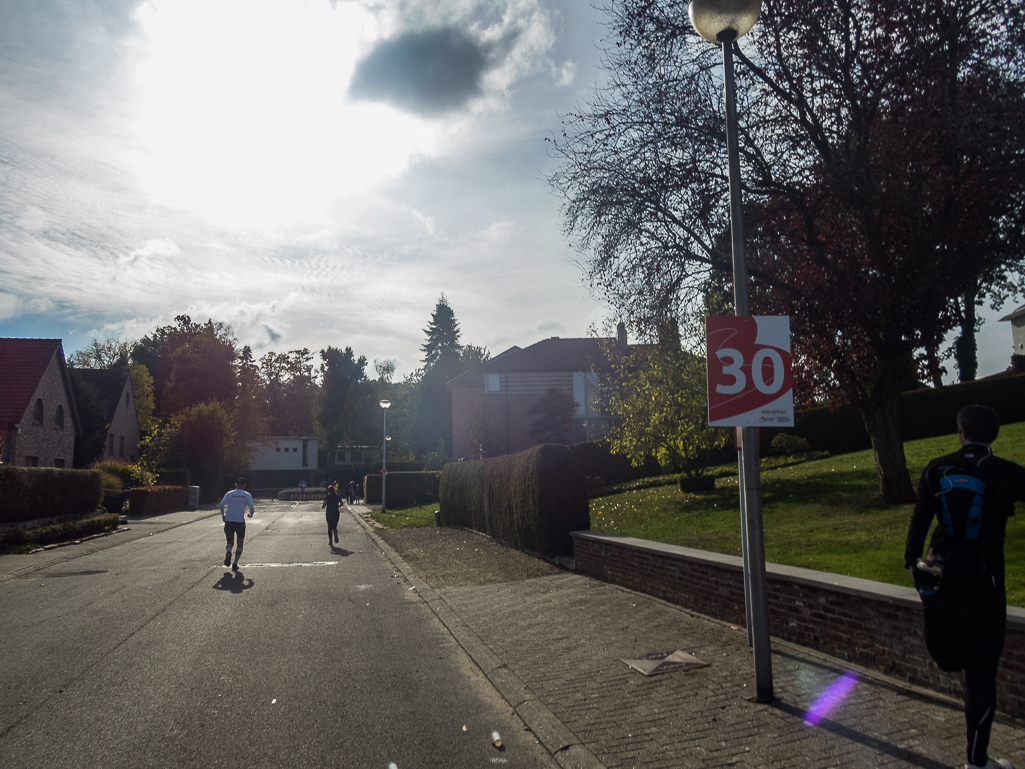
(22, 365)
(1016, 315)
(553, 354)
(109, 383)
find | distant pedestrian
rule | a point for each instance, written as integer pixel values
(970, 493)
(352, 492)
(331, 503)
(233, 513)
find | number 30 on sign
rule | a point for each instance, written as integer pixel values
(749, 371)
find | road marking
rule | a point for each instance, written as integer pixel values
(280, 565)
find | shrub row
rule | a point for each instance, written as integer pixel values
(61, 531)
(598, 462)
(924, 413)
(531, 500)
(27, 493)
(151, 500)
(405, 489)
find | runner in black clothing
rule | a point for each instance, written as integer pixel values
(331, 502)
(970, 493)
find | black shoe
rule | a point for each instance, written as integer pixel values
(234, 567)
(227, 559)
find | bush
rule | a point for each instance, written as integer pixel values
(128, 476)
(597, 461)
(27, 493)
(785, 444)
(531, 500)
(404, 489)
(151, 500)
(44, 535)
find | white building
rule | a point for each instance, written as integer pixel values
(283, 460)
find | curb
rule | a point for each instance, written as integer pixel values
(565, 747)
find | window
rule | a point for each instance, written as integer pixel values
(493, 383)
(121, 446)
(58, 463)
(58, 418)
(37, 413)
(110, 444)
(278, 449)
(31, 461)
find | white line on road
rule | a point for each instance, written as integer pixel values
(278, 565)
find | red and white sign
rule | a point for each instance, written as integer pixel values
(749, 371)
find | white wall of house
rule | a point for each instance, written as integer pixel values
(286, 453)
(123, 434)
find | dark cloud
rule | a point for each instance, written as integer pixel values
(429, 72)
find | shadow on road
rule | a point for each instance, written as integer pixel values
(233, 582)
(335, 550)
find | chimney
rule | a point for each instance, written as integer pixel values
(621, 334)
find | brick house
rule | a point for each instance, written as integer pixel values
(114, 389)
(38, 417)
(490, 403)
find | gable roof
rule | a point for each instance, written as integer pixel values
(22, 364)
(109, 385)
(553, 354)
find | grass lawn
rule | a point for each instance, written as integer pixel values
(824, 515)
(407, 517)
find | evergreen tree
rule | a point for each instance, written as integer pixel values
(442, 335)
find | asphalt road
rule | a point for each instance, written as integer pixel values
(142, 650)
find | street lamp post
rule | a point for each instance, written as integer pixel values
(722, 22)
(385, 405)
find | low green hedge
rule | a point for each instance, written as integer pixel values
(924, 413)
(44, 535)
(404, 489)
(531, 500)
(28, 493)
(152, 500)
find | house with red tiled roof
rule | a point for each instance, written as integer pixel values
(38, 418)
(491, 403)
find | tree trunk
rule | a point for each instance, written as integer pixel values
(883, 425)
(965, 347)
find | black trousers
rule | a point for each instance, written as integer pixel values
(965, 622)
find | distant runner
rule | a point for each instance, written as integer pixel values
(236, 502)
(331, 503)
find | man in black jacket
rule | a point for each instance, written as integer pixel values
(970, 494)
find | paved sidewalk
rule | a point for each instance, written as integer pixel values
(554, 647)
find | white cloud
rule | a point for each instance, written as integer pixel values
(9, 306)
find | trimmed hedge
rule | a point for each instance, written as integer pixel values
(531, 500)
(28, 493)
(597, 461)
(405, 489)
(151, 500)
(44, 535)
(924, 413)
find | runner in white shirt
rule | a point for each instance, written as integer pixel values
(233, 513)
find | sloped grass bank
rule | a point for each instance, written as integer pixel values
(824, 514)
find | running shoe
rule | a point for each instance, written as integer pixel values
(234, 567)
(227, 558)
(1000, 763)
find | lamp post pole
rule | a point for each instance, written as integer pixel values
(385, 404)
(722, 22)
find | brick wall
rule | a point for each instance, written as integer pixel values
(47, 441)
(871, 624)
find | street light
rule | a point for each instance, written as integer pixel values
(385, 405)
(722, 22)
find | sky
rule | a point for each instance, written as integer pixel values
(311, 172)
